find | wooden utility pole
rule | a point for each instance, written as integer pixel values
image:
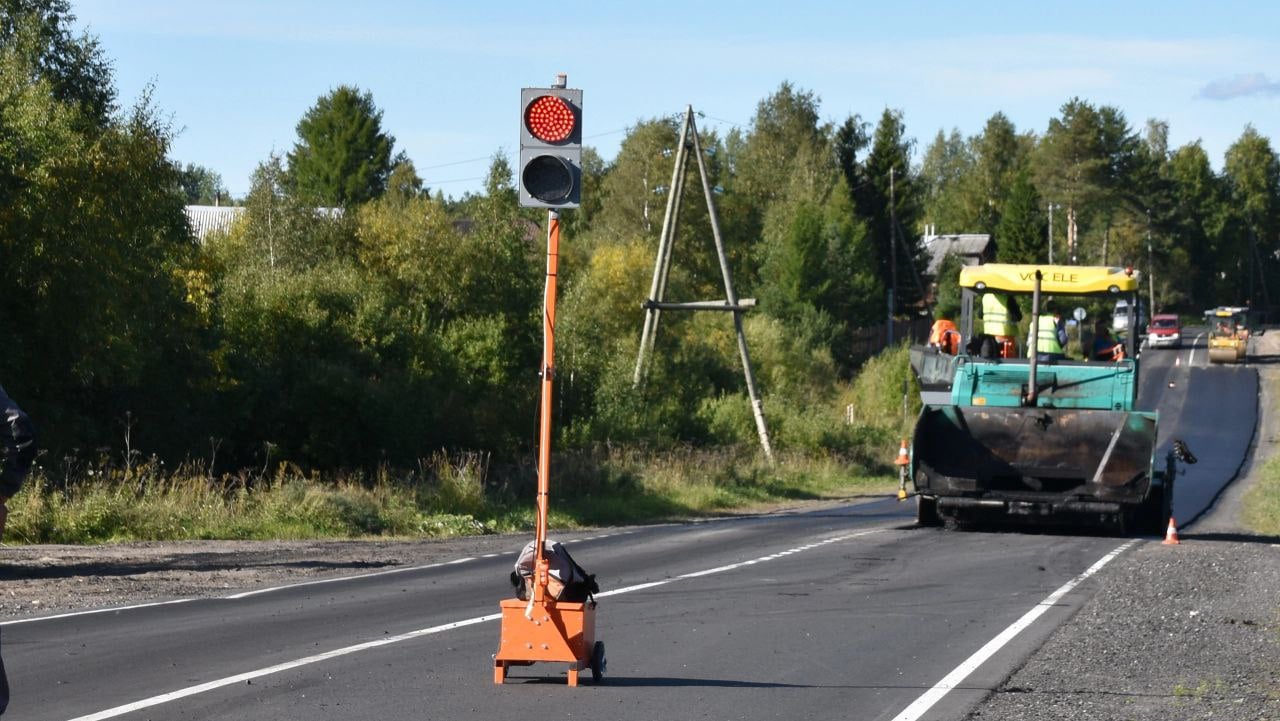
(1151, 271)
(656, 303)
(893, 261)
(1072, 231)
(1050, 233)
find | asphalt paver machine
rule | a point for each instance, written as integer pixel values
(1038, 439)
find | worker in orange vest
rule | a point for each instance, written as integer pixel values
(944, 336)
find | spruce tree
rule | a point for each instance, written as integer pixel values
(1021, 236)
(893, 233)
(342, 156)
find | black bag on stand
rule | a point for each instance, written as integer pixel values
(568, 581)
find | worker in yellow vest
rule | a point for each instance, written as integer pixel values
(1000, 317)
(1051, 336)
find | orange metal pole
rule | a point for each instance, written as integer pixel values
(548, 374)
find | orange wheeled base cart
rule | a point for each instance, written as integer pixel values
(549, 631)
(544, 628)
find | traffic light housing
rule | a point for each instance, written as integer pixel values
(550, 170)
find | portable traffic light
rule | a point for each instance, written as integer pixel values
(542, 627)
(550, 147)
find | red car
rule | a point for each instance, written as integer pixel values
(1165, 331)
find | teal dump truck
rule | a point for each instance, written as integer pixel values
(1029, 436)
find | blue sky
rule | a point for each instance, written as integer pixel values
(236, 76)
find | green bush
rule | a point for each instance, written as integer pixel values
(884, 394)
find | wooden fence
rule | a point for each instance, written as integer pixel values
(868, 341)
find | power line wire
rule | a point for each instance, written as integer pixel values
(505, 153)
(607, 132)
(722, 120)
(456, 162)
(454, 180)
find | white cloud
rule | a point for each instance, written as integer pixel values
(1240, 86)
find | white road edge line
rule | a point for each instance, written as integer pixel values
(341, 579)
(248, 594)
(250, 675)
(237, 596)
(971, 664)
(112, 609)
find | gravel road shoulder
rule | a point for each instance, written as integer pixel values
(1173, 633)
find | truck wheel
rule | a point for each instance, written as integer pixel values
(927, 511)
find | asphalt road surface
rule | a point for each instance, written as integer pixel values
(842, 613)
(1212, 407)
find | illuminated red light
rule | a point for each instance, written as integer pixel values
(549, 119)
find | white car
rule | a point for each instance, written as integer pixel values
(1120, 317)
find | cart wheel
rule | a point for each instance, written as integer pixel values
(598, 662)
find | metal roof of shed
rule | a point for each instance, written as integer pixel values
(206, 219)
(971, 247)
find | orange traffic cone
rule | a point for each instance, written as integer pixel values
(1171, 536)
(902, 461)
(902, 458)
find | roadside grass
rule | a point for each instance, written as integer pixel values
(447, 496)
(1202, 690)
(837, 450)
(630, 486)
(151, 506)
(1262, 501)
